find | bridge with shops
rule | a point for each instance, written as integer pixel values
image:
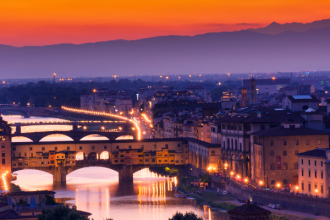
(120, 155)
(75, 135)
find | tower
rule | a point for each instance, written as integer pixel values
(244, 97)
(253, 90)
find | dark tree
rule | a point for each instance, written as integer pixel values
(187, 216)
(60, 213)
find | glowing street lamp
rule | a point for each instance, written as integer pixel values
(297, 188)
(246, 180)
(278, 185)
(316, 190)
(232, 173)
(261, 182)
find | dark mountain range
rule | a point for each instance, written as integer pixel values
(242, 51)
(276, 28)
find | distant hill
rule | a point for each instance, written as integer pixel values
(276, 28)
(241, 51)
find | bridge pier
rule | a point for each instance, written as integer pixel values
(126, 173)
(27, 114)
(59, 175)
(18, 129)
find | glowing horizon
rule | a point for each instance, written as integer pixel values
(36, 22)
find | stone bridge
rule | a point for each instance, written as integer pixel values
(74, 135)
(28, 110)
(125, 171)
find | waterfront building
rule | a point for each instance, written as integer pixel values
(314, 172)
(104, 100)
(274, 152)
(236, 132)
(33, 198)
(5, 154)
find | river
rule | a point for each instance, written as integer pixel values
(97, 190)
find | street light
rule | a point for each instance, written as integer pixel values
(261, 182)
(246, 180)
(297, 188)
(278, 185)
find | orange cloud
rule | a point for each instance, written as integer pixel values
(39, 22)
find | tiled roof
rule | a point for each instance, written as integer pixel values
(265, 118)
(311, 99)
(249, 209)
(320, 152)
(281, 131)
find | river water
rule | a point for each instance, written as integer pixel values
(97, 190)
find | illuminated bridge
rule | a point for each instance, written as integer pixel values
(122, 125)
(75, 135)
(124, 156)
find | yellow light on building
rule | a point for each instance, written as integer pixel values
(261, 182)
(246, 180)
(316, 190)
(94, 90)
(232, 173)
(238, 176)
(297, 188)
(278, 185)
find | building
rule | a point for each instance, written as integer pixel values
(200, 91)
(300, 102)
(253, 90)
(33, 198)
(313, 172)
(274, 152)
(5, 154)
(236, 132)
(105, 100)
(270, 86)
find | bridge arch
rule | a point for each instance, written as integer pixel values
(21, 139)
(34, 169)
(58, 136)
(92, 137)
(124, 137)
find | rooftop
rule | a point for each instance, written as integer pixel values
(303, 98)
(281, 131)
(249, 209)
(319, 152)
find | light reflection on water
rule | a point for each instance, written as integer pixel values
(97, 190)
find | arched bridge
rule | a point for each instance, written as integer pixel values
(28, 110)
(74, 135)
(125, 171)
(124, 124)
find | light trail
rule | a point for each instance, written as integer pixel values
(146, 118)
(106, 114)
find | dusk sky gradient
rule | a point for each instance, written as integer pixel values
(45, 22)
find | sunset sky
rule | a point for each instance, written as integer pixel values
(43, 22)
